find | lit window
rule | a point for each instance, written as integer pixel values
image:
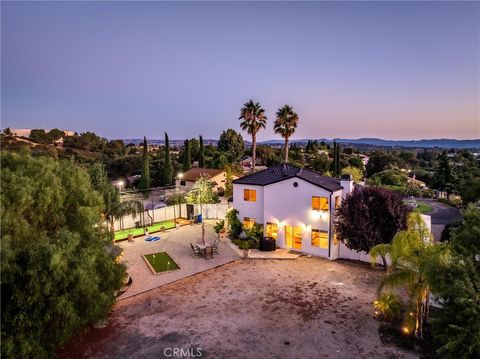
(320, 203)
(319, 238)
(250, 195)
(248, 222)
(337, 202)
(272, 230)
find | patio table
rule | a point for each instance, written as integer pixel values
(205, 249)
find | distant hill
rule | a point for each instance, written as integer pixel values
(440, 143)
(376, 142)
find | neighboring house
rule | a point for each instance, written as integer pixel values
(188, 178)
(247, 161)
(295, 205)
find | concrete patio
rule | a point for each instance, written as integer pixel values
(176, 243)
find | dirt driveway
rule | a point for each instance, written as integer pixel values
(304, 308)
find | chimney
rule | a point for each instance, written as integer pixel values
(347, 183)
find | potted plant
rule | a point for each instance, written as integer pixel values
(130, 237)
(244, 245)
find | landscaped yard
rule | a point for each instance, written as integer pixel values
(423, 207)
(303, 308)
(161, 262)
(121, 235)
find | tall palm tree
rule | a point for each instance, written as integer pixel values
(285, 125)
(253, 119)
(413, 257)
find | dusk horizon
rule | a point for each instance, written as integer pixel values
(187, 69)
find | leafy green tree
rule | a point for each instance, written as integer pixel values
(444, 179)
(167, 167)
(194, 144)
(187, 160)
(55, 134)
(390, 177)
(456, 326)
(231, 143)
(201, 154)
(380, 161)
(356, 162)
(145, 177)
(354, 172)
(253, 119)
(413, 256)
(39, 136)
(285, 124)
(319, 163)
(370, 216)
(59, 270)
(202, 192)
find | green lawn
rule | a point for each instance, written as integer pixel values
(423, 207)
(121, 235)
(161, 262)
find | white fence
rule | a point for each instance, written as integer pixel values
(208, 211)
(346, 253)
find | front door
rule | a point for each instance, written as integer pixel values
(293, 237)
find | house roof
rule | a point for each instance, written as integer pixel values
(284, 171)
(194, 174)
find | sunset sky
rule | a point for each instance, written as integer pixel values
(123, 70)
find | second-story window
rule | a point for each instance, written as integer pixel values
(320, 203)
(337, 202)
(250, 195)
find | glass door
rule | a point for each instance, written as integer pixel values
(297, 237)
(288, 236)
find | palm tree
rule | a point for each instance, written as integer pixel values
(253, 116)
(285, 125)
(413, 256)
(122, 209)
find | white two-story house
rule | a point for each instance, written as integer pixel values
(295, 205)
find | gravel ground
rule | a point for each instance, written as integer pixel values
(304, 308)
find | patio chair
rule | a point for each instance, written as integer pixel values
(215, 247)
(196, 250)
(208, 251)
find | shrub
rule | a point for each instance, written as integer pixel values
(219, 226)
(235, 227)
(388, 307)
(255, 232)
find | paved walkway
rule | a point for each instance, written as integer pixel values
(176, 243)
(279, 253)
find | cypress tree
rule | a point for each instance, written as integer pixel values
(337, 158)
(201, 155)
(335, 169)
(144, 182)
(186, 156)
(167, 169)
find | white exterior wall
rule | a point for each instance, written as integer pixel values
(289, 205)
(284, 204)
(246, 208)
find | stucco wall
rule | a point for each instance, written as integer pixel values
(246, 208)
(289, 205)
